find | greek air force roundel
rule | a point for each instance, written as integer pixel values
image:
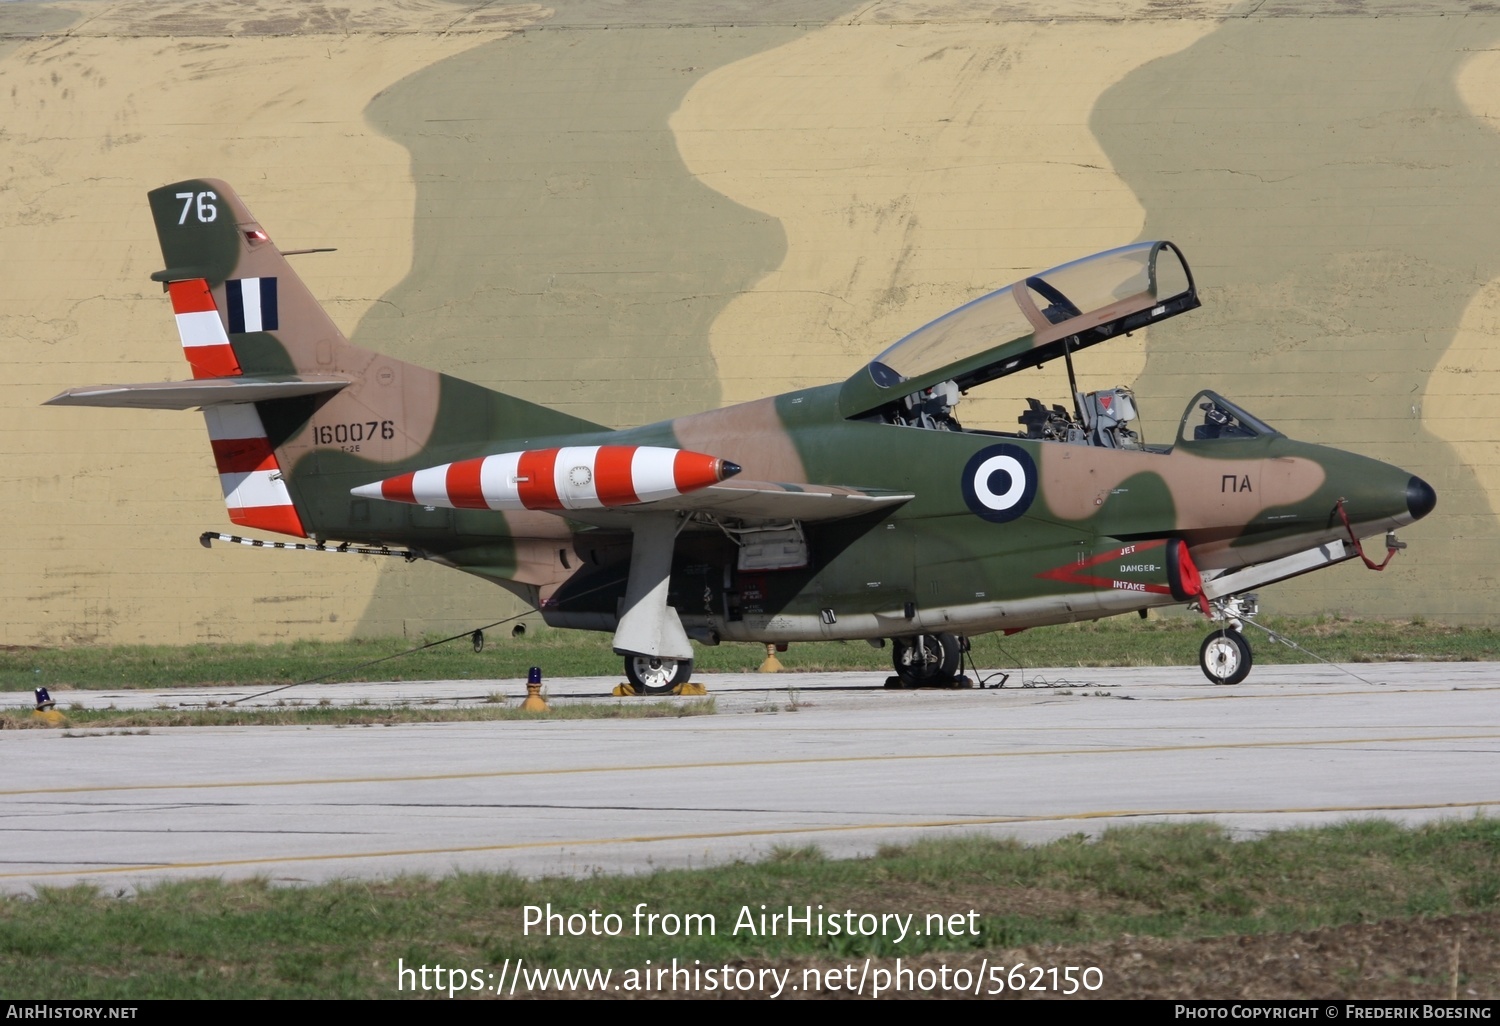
(1000, 482)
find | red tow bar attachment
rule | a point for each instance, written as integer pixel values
(1390, 549)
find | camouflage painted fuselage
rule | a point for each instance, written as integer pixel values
(1091, 544)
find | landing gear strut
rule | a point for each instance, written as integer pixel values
(927, 660)
(653, 675)
(1225, 656)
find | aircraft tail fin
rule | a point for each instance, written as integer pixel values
(240, 308)
(338, 415)
(212, 244)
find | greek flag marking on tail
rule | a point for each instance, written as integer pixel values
(252, 304)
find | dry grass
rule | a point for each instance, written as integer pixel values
(349, 716)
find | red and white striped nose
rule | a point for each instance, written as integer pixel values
(573, 477)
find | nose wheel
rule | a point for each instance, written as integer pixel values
(1225, 657)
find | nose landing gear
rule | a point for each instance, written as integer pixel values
(1225, 656)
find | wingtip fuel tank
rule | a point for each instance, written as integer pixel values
(571, 477)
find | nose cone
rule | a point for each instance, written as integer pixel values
(1420, 498)
(728, 469)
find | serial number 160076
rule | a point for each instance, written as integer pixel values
(358, 431)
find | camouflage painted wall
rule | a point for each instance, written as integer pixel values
(635, 209)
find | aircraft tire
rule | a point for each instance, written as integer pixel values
(936, 663)
(1225, 657)
(652, 676)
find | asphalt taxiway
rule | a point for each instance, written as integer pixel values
(834, 760)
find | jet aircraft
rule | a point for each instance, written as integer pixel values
(861, 509)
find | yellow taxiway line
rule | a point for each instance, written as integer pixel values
(745, 764)
(977, 821)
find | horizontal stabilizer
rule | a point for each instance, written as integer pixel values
(757, 501)
(188, 395)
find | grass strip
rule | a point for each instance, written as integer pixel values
(350, 716)
(212, 939)
(1166, 641)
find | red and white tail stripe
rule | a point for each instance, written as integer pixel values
(203, 338)
(573, 477)
(248, 471)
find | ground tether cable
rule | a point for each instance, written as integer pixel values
(410, 651)
(1042, 682)
(983, 683)
(1289, 643)
(373, 662)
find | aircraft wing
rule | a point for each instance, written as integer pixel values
(769, 501)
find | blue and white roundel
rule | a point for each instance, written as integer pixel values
(1000, 482)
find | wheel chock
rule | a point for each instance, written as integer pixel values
(534, 701)
(688, 688)
(957, 683)
(772, 664)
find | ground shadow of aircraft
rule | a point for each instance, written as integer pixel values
(856, 510)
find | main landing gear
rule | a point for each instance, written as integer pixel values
(656, 675)
(1225, 656)
(928, 660)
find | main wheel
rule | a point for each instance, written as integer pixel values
(926, 659)
(653, 675)
(1225, 657)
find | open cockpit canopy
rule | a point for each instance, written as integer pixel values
(1038, 319)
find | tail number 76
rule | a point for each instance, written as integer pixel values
(201, 202)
